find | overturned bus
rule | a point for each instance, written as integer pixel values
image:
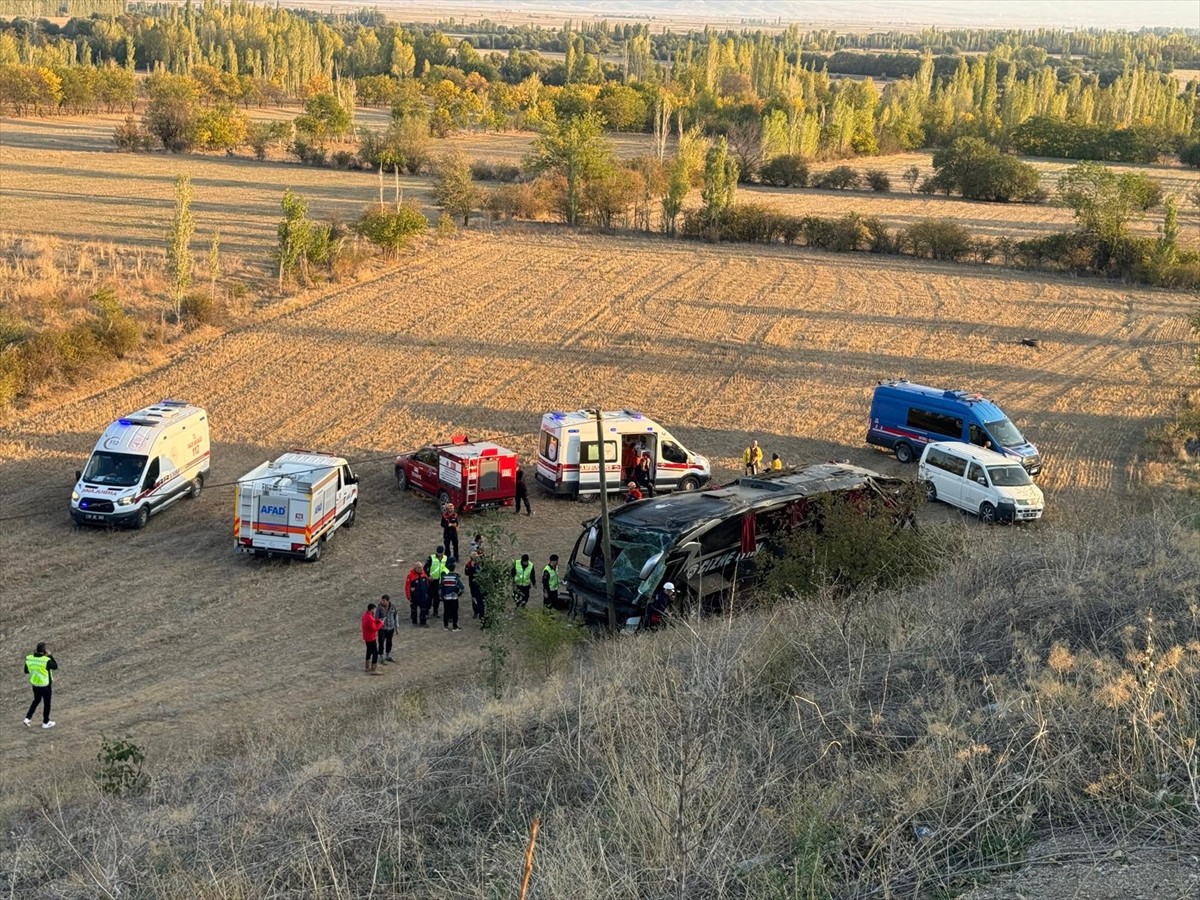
(704, 542)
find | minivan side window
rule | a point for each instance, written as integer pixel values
(947, 462)
(976, 473)
(588, 452)
(672, 452)
(938, 423)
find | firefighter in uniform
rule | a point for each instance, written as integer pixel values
(450, 531)
(550, 583)
(435, 568)
(522, 579)
(451, 589)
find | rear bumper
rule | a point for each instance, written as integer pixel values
(555, 487)
(274, 552)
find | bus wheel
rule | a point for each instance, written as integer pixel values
(904, 453)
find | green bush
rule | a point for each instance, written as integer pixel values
(483, 170)
(878, 181)
(391, 227)
(200, 309)
(979, 171)
(842, 178)
(116, 331)
(785, 171)
(12, 375)
(938, 239)
(843, 235)
(548, 638)
(132, 137)
(881, 238)
(119, 767)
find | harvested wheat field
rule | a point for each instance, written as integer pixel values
(167, 634)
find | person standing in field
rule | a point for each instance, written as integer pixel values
(550, 583)
(435, 568)
(752, 458)
(416, 588)
(371, 626)
(522, 494)
(451, 589)
(474, 567)
(450, 531)
(38, 666)
(522, 579)
(386, 613)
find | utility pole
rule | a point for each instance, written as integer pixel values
(605, 543)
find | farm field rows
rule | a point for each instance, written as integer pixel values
(167, 634)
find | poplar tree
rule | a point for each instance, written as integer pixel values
(179, 238)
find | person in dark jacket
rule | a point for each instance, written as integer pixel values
(452, 588)
(660, 605)
(386, 613)
(643, 476)
(38, 666)
(416, 589)
(473, 570)
(450, 531)
(550, 583)
(522, 494)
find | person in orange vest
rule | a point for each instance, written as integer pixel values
(38, 666)
(371, 627)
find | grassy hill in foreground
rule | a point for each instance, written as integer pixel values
(890, 745)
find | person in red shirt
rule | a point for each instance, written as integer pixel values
(370, 635)
(416, 589)
(634, 493)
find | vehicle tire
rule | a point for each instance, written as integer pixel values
(142, 517)
(443, 498)
(196, 486)
(689, 483)
(351, 515)
(316, 554)
(904, 453)
(930, 491)
(401, 479)
(987, 514)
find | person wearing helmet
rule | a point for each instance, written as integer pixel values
(634, 493)
(661, 604)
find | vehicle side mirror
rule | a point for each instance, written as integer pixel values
(78, 474)
(649, 565)
(981, 480)
(589, 542)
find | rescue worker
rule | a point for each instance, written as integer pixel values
(752, 458)
(477, 547)
(643, 477)
(474, 567)
(451, 588)
(450, 531)
(386, 614)
(435, 568)
(629, 458)
(416, 589)
(633, 494)
(522, 494)
(550, 582)
(38, 666)
(663, 598)
(371, 627)
(522, 579)
(776, 463)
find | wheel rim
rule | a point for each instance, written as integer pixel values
(688, 484)
(930, 491)
(443, 498)
(904, 453)
(401, 480)
(987, 513)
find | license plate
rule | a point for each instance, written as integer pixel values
(94, 517)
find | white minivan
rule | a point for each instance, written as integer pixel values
(984, 482)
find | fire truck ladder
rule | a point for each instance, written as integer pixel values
(472, 487)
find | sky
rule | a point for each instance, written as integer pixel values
(881, 14)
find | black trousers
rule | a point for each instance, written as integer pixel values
(450, 540)
(372, 650)
(522, 498)
(521, 594)
(449, 612)
(419, 610)
(477, 606)
(385, 642)
(550, 599)
(40, 695)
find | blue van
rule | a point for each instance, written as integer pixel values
(905, 417)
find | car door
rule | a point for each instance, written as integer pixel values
(976, 489)
(422, 470)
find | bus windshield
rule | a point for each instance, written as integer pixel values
(1004, 432)
(114, 469)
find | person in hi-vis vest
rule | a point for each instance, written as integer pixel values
(522, 579)
(550, 583)
(38, 666)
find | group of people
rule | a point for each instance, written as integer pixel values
(752, 460)
(637, 470)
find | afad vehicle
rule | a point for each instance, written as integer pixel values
(470, 474)
(705, 542)
(906, 416)
(569, 457)
(143, 463)
(291, 506)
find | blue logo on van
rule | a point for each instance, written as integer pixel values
(274, 511)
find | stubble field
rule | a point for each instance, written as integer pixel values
(168, 635)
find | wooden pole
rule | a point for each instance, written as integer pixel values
(533, 833)
(605, 544)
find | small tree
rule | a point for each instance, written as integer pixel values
(548, 638)
(324, 118)
(454, 190)
(390, 227)
(179, 238)
(1104, 202)
(787, 170)
(214, 263)
(171, 114)
(295, 235)
(576, 150)
(911, 176)
(720, 183)
(221, 127)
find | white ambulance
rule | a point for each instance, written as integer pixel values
(289, 507)
(569, 457)
(142, 464)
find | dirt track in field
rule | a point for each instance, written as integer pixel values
(169, 636)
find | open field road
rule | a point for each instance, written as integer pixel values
(169, 636)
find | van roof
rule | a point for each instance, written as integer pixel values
(582, 417)
(985, 408)
(981, 455)
(300, 466)
(137, 431)
(685, 511)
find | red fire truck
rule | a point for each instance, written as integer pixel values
(469, 474)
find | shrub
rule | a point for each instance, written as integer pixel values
(119, 767)
(840, 178)
(343, 159)
(391, 227)
(12, 375)
(309, 154)
(1189, 155)
(843, 235)
(548, 638)
(785, 171)
(517, 201)
(261, 135)
(115, 330)
(750, 222)
(979, 171)
(938, 239)
(878, 181)
(200, 309)
(882, 240)
(483, 170)
(132, 137)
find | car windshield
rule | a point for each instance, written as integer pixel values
(1004, 432)
(1009, 476)
(115, 469)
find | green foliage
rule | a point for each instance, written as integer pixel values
(179, 242)
(547, 637)
(486, 170)
(172, 113)
(843, 235)
(939, 239)
(787, 170)
(878, 181)
(1189, 154)
(262, 135)
(119, 769)
(1048, 136)
(1104, 202)
(720, 183)
(131, 137)
(324, 118)
(221, 127)
(841, 178)
(912, 175)
(405, 146)
(391, 227)
(576, 150)
(295, 236)
(979, 171)
(622, 107)
(116, 331)
(453, 188)
(853, 543)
